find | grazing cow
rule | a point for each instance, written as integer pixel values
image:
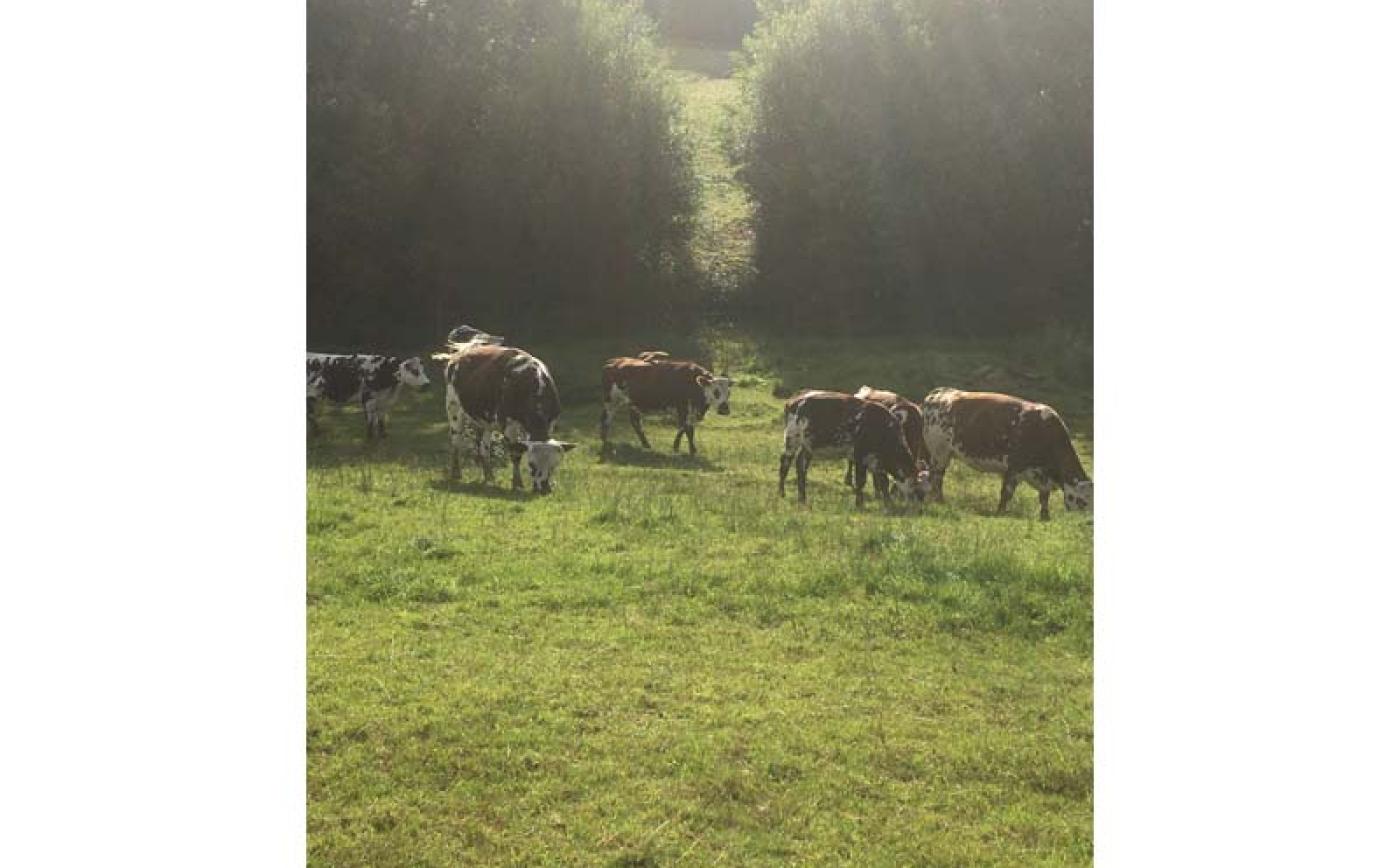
(816, 419)
(911, 422)
(1019, 439)
(659, 382)
(495, 388)
(465, 334)
(374, 381)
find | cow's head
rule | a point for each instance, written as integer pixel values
(913, 487)
(1079, 495)
(923, 481)
(542, 457)
(411, 372)
(716, 391)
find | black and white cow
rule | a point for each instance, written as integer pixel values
(1022, 441)
(865, 431)
(373, 381)
(492, 389)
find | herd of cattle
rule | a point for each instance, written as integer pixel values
(493, 388)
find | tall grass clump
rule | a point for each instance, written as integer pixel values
(921, 164)
(515, 163)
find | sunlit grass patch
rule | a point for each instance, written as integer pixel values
(666, 662)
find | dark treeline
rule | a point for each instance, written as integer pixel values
(518, 164)
(922, 163)
(719, 22)
(510, 164)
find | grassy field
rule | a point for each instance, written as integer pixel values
(665, 663)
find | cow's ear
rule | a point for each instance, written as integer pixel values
(566, 446)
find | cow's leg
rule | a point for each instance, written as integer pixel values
(882, 486)
(783, 464)
(940, 455)
(456, 423)
(690, 435)
(680, 430)
(382, 419)
(604, 424)
(516, 453)
(935, 478)
(850, 472)
(636, 416)
(860, 472)
(1045, 504)
(1008, 488)
(483, 452)
(369, 422)
(804, 459)
(311, 416)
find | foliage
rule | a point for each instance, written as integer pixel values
(921, 164)
(512, 164)
(665, 663)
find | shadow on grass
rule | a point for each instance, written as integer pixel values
(628, 455)
(477, 488)
(406, 451)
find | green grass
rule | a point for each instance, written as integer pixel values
(665, 663)
(722, 242)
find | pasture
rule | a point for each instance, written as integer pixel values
(665, 663)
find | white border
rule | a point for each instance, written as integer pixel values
(152, 625)
(1246, 650)
(152, 628)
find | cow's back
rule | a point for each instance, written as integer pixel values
(478, 375)
(337, 378)
(656, 383)
(825, 417)
(911, 418)
(993, 431)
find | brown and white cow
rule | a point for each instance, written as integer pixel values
(372, 380)
(1019, 439)
(911, 422)
(868, 432)
(494, 388)
(659, 382)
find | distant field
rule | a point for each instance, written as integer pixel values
(665, 663)
(722, 243)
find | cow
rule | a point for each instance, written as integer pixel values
(494, 388)
(465, 334)
(659, 382)
(911, 422)
(1019, 439)
(372, 380)
(824, 420)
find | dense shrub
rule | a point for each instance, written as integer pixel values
(511, 163)
(921, 163)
